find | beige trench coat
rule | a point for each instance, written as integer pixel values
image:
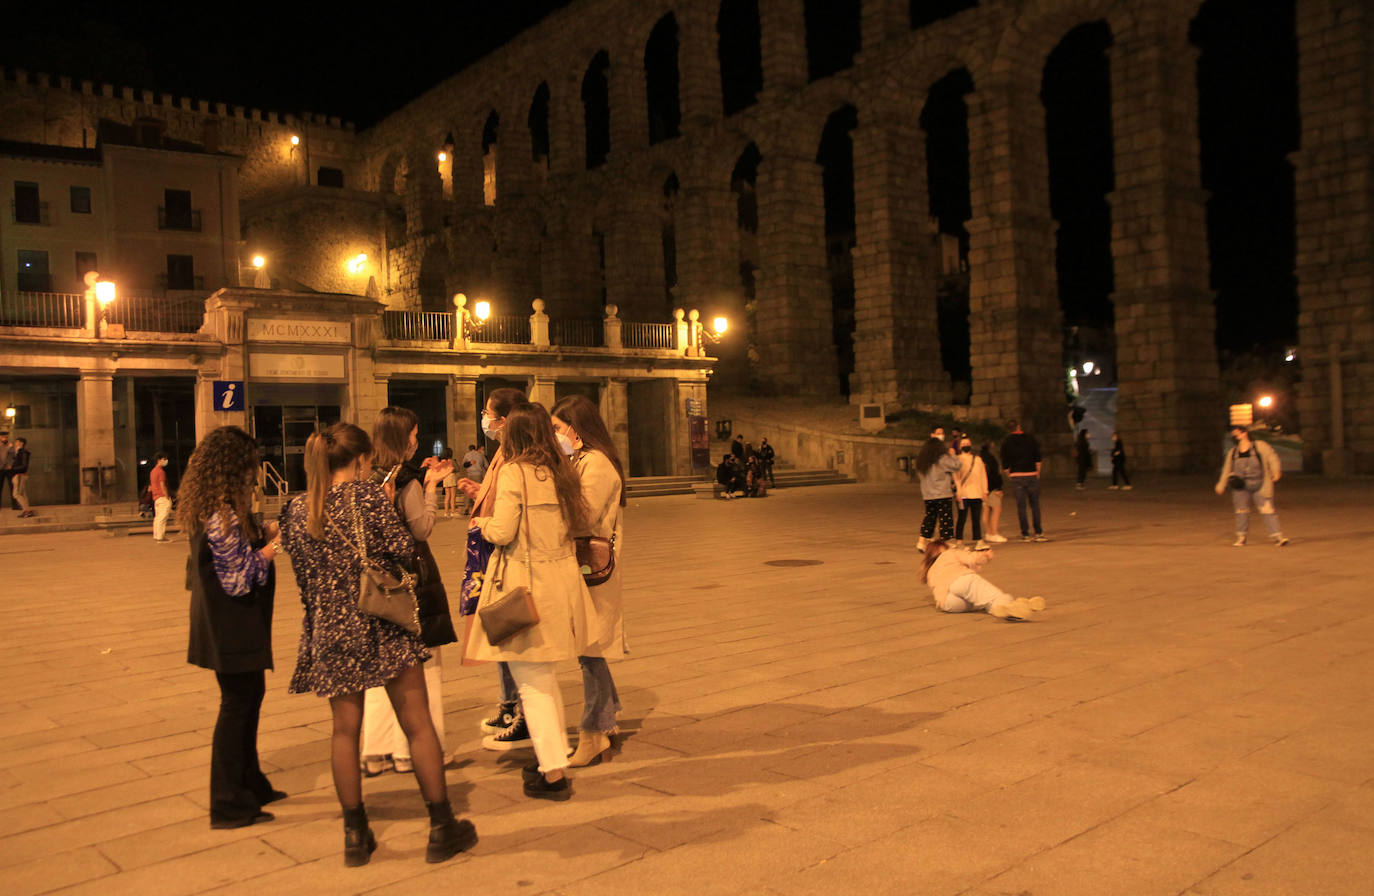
(601, 487)
(567, 619)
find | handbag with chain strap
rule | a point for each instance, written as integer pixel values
(514, 611)
(380, 593)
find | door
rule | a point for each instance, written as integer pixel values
(283, 430)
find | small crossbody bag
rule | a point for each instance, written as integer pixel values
(380, 593)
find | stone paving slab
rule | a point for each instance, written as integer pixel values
(1186, 718)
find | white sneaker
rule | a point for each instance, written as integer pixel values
(921, 544)
(1021, 608)
(1113, 487)
(995, 538)
(1125, 488)
(1281, 540)
(981, 545)
(1239, 542)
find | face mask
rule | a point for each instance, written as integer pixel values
(488, 430)
(564, 444)
(967, 449)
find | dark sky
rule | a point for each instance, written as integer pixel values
(288, 57)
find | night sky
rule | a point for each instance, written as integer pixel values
(322, 59)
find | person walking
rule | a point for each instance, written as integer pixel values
(6, 462)
(1250, 471)
(162, 498)
(992, 504)
(1119, 464)
(971, 487)
(1083, 453)
(343, 651)
(505, 729)
(583, 434)
(231, 576)
(539, 505)
(19, 476)
(767, 455)
(936, 465)
(395, 439)
(1021, 462)
(957, 586)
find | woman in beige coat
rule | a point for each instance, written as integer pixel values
(538, 505)
(582, 433)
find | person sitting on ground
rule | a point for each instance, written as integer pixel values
(754, 484)
(955, 583)
(725, 476)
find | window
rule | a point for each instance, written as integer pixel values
(85, 262)
(81, 200)
(177, 213)
(33, 271)
(23, 417)
(27, 208)
(330, 177)
(181, 272)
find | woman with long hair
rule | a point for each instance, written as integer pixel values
(232, 581)
(539, 505)
(395, 439)
(953, 575)
(505, 728)
(582, 433)
(936, 465)
(344, 651)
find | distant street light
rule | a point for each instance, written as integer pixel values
(259, 262)
(1266, 401)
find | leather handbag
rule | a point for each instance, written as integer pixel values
(380, 593)
(596, 557)
(513, 611)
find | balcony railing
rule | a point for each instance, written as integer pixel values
(155, 314)
(196, 283)
(43, 309)
(178, 220)
(586, 331)
(504, 329)
(30, 213)
(633, 335)
(434, 326)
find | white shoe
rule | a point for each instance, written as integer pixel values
(1113, 487)
(1021, 608)
(1239, 542)
(1281, 540)
(981, 545)
(995, 538)
(1125, 488)
(921, 544)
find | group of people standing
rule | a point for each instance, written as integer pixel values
(368, 512)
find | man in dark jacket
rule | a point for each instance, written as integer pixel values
(1021, 461)
(19, 476)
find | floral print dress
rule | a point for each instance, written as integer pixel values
(343, 650)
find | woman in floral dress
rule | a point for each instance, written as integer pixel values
(344, 651)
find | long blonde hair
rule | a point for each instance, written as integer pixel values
(325, 453)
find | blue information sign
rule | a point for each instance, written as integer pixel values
(228, 395)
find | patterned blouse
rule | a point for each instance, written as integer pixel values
(237, 565)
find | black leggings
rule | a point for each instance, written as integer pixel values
(939, 510)
(238, 788)
(1119, 469)
(972, 507)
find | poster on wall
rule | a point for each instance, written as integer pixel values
(700, 442)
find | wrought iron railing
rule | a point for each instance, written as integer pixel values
(585, 331)
(166, 281)
(155, 314)
(504, 329)
(633, 335)
(43, 309)
(418, 325)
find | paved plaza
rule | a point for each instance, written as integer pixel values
(1186, 717)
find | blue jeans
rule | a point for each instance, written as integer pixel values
(1242, 499)
(509, 692)
(1027, 489)
(600, 700)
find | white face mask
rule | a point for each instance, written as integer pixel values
(565, 444)
(488, 430)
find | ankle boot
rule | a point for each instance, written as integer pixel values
(592, 747)
(448, 836)
(358, 840)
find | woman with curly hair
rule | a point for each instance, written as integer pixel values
(231, 579)
(341, 518)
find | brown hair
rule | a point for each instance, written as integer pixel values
(505, 398)
(220, 476)
(391, 436)
(934, 548)
(326, 452)
(930, 454)
(529, 439)
(578, 412)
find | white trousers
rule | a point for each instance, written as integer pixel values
(382, 734)
(162, 509)
(972, 592)
(543, 702)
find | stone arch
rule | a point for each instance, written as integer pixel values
(662, 80)
(537, 120)
(840, 23)
(1041, 24)
(739, 49)
(596, 109)
(491, 136)
(392, 173)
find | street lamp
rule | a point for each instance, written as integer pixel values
(104, 295)
(259, 262)
(473, 320)
(1266, 401)
(357, 263)
(295, 140)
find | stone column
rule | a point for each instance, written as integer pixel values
(708, 256)
(542, 390)
(1015, 326)
(1165, 314)
(698, 66)
(896, 332)
(539, 324)
(463, 426)
(1335, 230)
(567, 128)
(795, 344)
(783, 36)
(95, 422)
(615, 410)
(634, 255)
(629, 99)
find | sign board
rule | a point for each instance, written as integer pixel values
(228, 395)
(296, 368)
(700, 441)
(288, 329)
(694, 407)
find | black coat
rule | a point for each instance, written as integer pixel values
(431, 598)
(228, 634)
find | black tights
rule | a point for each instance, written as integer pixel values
(411, 702)
(238, 788)
(971, 507)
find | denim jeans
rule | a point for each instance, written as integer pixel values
(1242, 499)
(1027, 489)
(600, 700)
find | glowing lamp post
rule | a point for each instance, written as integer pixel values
(104, 295)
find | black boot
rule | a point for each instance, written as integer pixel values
(358, 840)
(448, 836)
